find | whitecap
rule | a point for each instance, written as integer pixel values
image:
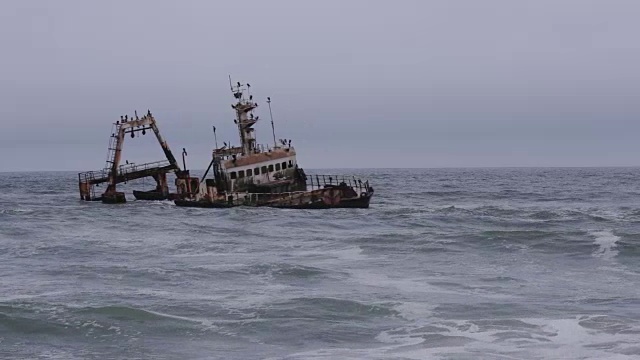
(607, 242)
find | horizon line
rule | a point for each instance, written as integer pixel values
(392, 168)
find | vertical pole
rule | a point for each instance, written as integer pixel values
(273, 130)
(215, 136)
(184, 163)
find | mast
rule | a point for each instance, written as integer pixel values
(273, 130)
(215, 137)
(244, 117)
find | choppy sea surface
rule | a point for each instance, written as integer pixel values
(528, 263)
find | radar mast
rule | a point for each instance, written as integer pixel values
(244, 116)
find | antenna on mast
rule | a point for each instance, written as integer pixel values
(230, 84)
(273, 130)
(215, 136)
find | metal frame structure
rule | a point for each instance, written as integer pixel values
(114, 173)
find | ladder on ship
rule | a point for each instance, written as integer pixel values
(113, 173)
(113, 146)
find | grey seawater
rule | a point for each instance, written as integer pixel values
(446, 264)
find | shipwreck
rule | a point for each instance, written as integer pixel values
(260, 175)
(249, 174)
(115, 173)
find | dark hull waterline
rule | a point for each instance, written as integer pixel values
(357, 203)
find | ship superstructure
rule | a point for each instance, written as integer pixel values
(262, 175)
(251, 167)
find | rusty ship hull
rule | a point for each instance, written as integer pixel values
(359, 203)
(341, 195)
(355, 203)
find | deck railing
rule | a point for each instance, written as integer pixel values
(259, 148)
(123, 170)
(315, 182)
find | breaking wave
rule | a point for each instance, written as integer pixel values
(607, 244)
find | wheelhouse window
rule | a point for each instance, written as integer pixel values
(249, 172)
(278, 167)
(270, 168)
(233, 175)
(256, 171)
(284, 165)
(264, 170)
(290, 163)
(240, 174)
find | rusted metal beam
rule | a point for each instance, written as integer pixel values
(114, 173)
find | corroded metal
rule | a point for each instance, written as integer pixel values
(255, 175)
(245, 175)
(114, 173)
(322, 192)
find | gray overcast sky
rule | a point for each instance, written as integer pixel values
(354, 83)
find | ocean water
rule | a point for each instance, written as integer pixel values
(446, 264)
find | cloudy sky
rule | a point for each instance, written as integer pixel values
(447, 83)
